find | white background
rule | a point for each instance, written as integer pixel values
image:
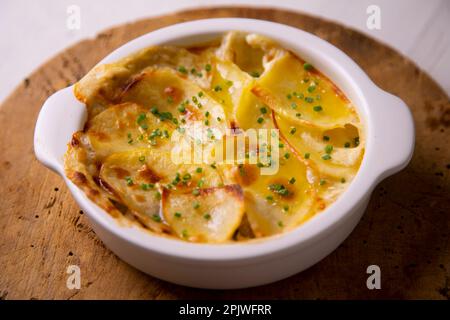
(33, 31)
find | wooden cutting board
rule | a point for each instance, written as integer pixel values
(405, 230)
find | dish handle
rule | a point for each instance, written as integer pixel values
(395, 135)
(60, 116)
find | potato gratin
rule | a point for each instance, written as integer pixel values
(123, 158)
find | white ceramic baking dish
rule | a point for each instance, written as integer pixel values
(389, 146)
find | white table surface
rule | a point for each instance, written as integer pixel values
(33, 31)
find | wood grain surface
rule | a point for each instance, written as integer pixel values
(405, 230)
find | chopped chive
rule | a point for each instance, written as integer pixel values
(196, 192)
(263, 110)
(255, 74)
(298, 115)
(182, 69)
(293, 105)
(184, 233)
(280, 224)
(309, 99)
(286, 208)
(343, 180)
(260, 120)
(347, 145)
(328, 148)
(129, 181)
(177, 214)
(187, 176)
(141, 117)
(219, 119)
(326, 138)
(307, 155)
(208, 67)
(199, 170)
(311, 88)
(269, 198)
(292, 180)
(287, 155)
(293, 130)
(289, 96)
(207, 216)
(307, 66)
(326, 157)
(318, 108)
(158, 195)
(156, 218)
(196, 205)
(147, 186)
(200, 94)
(176, 179)
(322, 182)
(281, 145)
(217, 88)
(141, 158)
(279, 189)
(182, 108)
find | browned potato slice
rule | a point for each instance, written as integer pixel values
(79, 170)
(125, 127)
(210, 215)
(171, 97)
(138, 177)
(99, 88)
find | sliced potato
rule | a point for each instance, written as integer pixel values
(173, 98)
(252, 53)
(324, 151)
(79, 169)
(252, 113)
(235, 48)
(303, 96)
(99, 88)
(212, 215)
(227, 85)
(275, 203)
(125, 127)
(138, 177)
